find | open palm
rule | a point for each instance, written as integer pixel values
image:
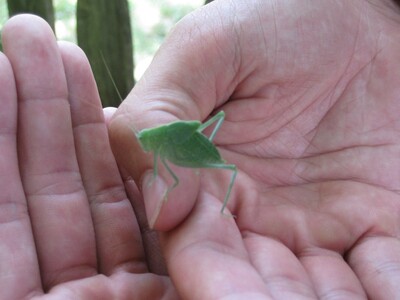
(312, 98)
(67, 228)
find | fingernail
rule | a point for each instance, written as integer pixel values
(153, 195)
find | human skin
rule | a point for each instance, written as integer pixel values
(311, 94)
(312, 100)
(67, 227)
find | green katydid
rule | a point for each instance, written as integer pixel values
(183, 144)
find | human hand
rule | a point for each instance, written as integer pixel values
(67, 228)
(311, 95)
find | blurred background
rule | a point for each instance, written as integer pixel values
(126, 33)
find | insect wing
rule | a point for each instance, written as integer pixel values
(195, 152)
(178, 132)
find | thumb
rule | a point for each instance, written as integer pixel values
(187, 80)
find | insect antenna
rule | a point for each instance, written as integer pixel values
(110, 75)
(113, 81)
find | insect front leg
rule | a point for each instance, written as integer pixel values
(155, 168)
(176, 179)
(155, 164)
(219, 118)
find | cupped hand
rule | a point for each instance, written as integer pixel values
(312, 100)
(67, 228)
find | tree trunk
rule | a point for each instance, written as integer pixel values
(104, 30)
(42, 8)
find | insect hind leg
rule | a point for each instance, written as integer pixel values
(232, 181)
(228, 193)
(219, 118)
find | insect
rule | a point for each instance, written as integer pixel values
(183, 144)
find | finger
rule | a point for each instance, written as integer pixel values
(335, 216)
(118, 238)
(229, 263)
(19, 269)
(376, 261)
(58, 207)
(331, 275)
(284, 276)
(108, 113)
(186, 81)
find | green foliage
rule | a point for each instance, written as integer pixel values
(170, 15)
(65, 9)
(3, 18)
(42, 8)
(104, 29)
(151, 21)
(3, 12)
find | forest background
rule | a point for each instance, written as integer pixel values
(141, 24)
